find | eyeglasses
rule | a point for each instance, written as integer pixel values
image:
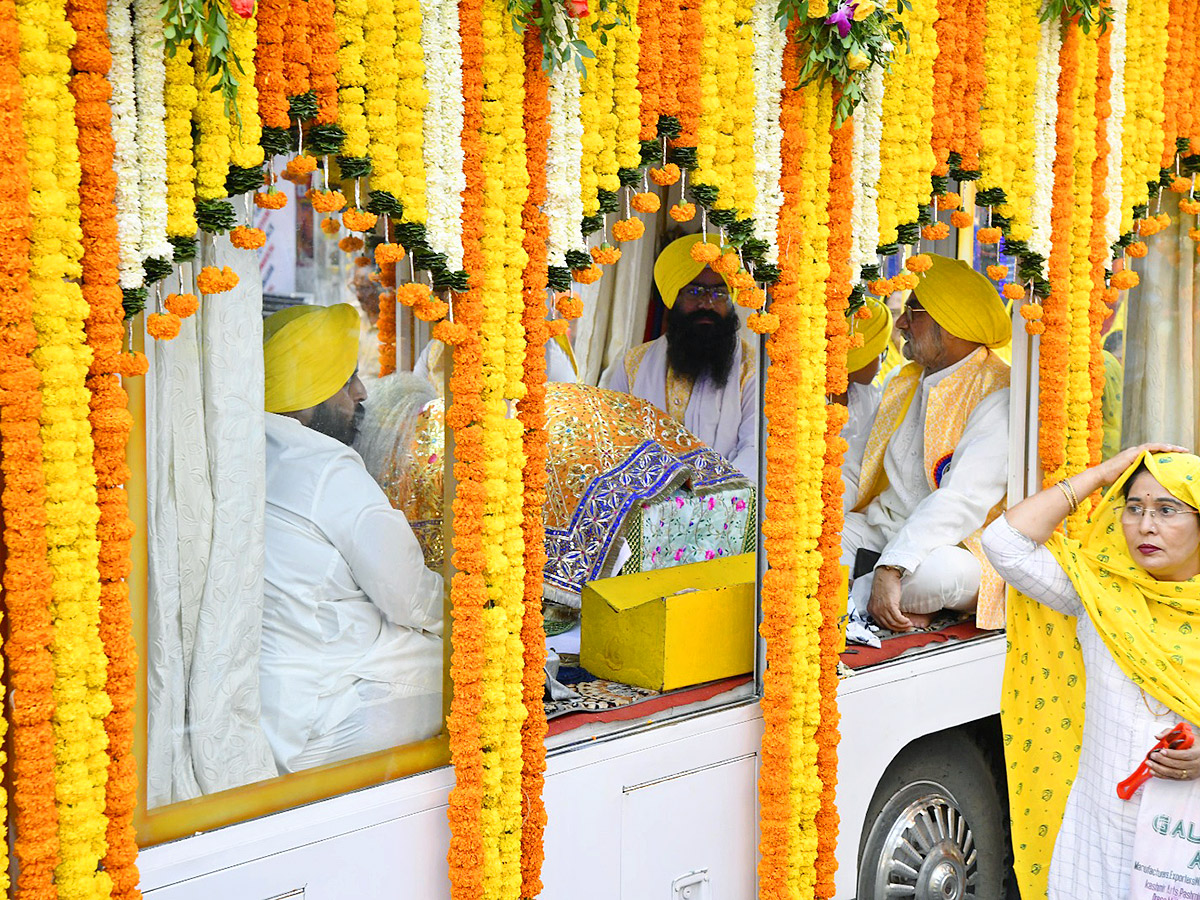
(1133, 512)
(715, 295)
(912, 308)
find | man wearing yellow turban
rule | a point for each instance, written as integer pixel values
(351, 656)
(863, 392)
(700, 371)
(935, 466)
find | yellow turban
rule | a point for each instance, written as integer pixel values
(309, 353)
(875, 333)
(675, 268)
(964, 302)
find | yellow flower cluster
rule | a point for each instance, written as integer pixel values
(213, 131)
(62, 356)
(1079, 302)
(627, 99)
(180, 99)
(383, 75)
(1006, 116)
(905, 153)
(349, 16)
(812, 269)
(740, 112)
(503, 355)
(717, 16)
(411, 99)
(599, 162)
(246, 129)
(1142, 136)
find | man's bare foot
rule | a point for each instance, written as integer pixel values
(919, 620)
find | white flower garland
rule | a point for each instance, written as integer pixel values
(150, 78)
(769, 41)
(1045, 118)
(1113, 185)
(564, 162)
(442, 148)
(868, 132)
(125, 149)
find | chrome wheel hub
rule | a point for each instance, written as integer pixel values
(929, 853)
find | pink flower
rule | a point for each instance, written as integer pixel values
(679, 554)
(708, 554)
(576, 9)
(679, 502)
(712, 503)
(244, 8)
(741, 504)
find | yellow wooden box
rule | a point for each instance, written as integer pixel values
(671, 628)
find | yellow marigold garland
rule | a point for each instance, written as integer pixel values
(411, 99)
(63, 357)
(212, 153)
(740, 112)
(627, 99)
(349, 17)
(379, 59)
(180, 100)
(246, 129)
(906, 155)
(600, 123)
(717, 16)
(26, 573)
(1145, 68)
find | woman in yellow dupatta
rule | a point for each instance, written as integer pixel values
(1130, 579)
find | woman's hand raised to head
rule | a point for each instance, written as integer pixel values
(1111, 469)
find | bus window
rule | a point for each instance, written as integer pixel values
(295, 617)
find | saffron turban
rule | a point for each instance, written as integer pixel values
(875, 333)
(964, 302)
(674, 269)
(309, 353)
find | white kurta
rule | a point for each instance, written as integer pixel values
(352, 620)
(909, 522)
(1093, 856)
(725, 418)
(862, 402)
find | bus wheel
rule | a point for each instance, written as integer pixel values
(935, 827)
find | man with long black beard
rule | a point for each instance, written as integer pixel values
(700, 372)
(352, 620)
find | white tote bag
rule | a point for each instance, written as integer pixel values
(1166, 847)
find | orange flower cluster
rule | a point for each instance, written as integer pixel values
(936, 232)
(163, 326)
(989, 235)
(350, 244)
(212, 280)
(133, 365)
(297, 52)
(763, 323)
(1098, 250)
(997, 273)
(649, 66)
(359, 220)
(670, 28)
(628, 230)
(922, 262)
(687, 70)
(667, 175)
(326, 201)
(959, 82)
(751, 298)
(182, 305)
(605, 254)
(704, 252)
(25, 573)
(683, 212)
(246, 238)
(386, 254)
(386, 327)
(412, 293)
(431, 309)
(1137, 249)
(949, 200)
(569, 305)
(331, 226)
(645, 202)
(726, 264)
(880, 287)
(299, 168)
(449, 333)
(961, 219)
(270, 200)
(323, 67)
(590, 275)
(1124, 280)
(1013, 291)
(268, 64)
(531, 410)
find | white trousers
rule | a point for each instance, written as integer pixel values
(947, 579)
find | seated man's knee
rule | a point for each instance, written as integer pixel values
(947, 579)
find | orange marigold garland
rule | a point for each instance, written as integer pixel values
(687, 74)
(649, 66)
(26, 576)
(468, 591)
(531, 410)
(837, 294)
(269, 77)
(1052, 413)
(1098, 249)
(323, 66)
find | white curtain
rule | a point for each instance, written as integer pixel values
(1162, 340)
(206, 458)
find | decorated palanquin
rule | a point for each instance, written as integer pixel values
(629, 489)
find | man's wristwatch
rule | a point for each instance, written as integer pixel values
(899, 570)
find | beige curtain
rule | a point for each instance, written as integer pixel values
(1162, 340)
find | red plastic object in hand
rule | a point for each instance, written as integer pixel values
(1178, 738)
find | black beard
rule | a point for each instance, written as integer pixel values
(326, 420)
(701, 343)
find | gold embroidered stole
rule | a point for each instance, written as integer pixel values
(950, 404)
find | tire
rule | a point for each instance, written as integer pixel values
(934, 829)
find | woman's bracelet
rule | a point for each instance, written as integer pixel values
(1069, 493)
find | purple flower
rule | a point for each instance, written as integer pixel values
(843, 18)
